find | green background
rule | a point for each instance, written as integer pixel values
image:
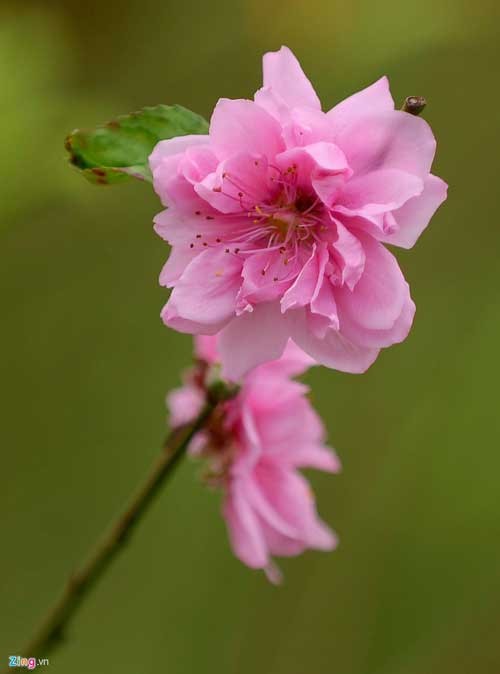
(414, 586)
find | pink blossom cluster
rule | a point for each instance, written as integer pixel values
(278, 220)
(254, 445)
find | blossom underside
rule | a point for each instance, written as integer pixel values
(253, 446)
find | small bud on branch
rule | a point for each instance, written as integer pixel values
(414, 105)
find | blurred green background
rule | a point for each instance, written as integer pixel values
(414, 587)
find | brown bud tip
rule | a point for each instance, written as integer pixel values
(414, 105)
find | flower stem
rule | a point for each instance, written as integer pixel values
(50, 631)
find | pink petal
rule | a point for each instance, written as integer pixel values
(323, 304)
(187, 236)
(172, 226)
(305, 126)
(377, 300)
(279, 544)
(333, 350)
(302, 291)
(374, 225)
(242, 126)
(289, 496)
(179, 258)
(379, 338)
(245, 534)
(205, 347)
(379, 191)
(265, 277)
(273, 573)
(251, 339)
(206, 292)
(174, 173)
(179, 228)
(389, 140)
(197, 162)
(287, 424)
(349, 256)
(283, 74)
(267, 99)
(321, 458)
(375, 98)
(172, 146)
(414, 216)
(320, 165)
(312, 288)
(258, 500)
(320, 325)
(171, 186)
(237, 185)
(242, 414)
(171, 317)
(292, 363)
(184, 404)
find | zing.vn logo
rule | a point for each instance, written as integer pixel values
(30, 663)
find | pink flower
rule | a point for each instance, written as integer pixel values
(278, 217)
(254, 444)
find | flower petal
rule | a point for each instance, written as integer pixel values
(189, 235)
(205, 347)
(305, 126)
(377, 300)
(237, 185)
(379, 191)
(414, 216)
(267, 99)
(244, 531)
(375, 98)
(184, 404)
(251, 339)
(197, 162)
(265, 277)
(322, 166)
(258, 500)
(171, 186)
(333, 350)
(242, 126)
(302, 291)
(283, 74)
(388, 140)
(379, 338)
(206, 293)
(174, 267)
(349, 256)
(172, 146)
(292, 363)
(287, 424)
(323, 304)
(321, 458)
(312, 288)
(290, 496)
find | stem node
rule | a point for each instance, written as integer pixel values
(414, 105)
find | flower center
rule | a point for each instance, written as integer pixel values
(285, 223)
(289, 219)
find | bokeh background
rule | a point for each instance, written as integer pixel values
(414, 587)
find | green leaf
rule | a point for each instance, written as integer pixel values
(119, 150)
